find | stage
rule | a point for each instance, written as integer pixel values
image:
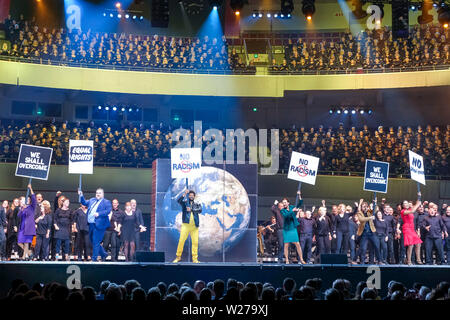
(149, 274)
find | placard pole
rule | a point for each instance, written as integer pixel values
(298, 189)
(79, 183)
(28, 190)
(418, 191)
(374, 203)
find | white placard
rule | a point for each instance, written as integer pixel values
(185, 162)
(303, 168)
(416, 167)
(81, 156)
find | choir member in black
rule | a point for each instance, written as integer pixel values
(420, 215)
(3, 210)
(113, 231)
(128, 231)
(63, 223)
(353, 229)
(81, 228)
(140, 220)
(322, 230)
(306, 231)
(276, 210)
(446, 221)
(269, 233)
(57, 203)
(332, 216)
(341, 228)
(391, 228)
(381, 232)
(13, 228)
(435, 232)
(43, 227)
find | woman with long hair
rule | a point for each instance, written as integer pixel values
(290, 234)
(3, 210)
(27, 227)
(381, 226)
(43, 226)
(13, 227)
(410, 237)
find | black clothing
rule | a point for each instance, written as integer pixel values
(63, 219)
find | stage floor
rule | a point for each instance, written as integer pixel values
(149, 274)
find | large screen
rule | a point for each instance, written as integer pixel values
(228, 195)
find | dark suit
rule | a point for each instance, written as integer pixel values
(140, 220)
(2, 233)
(100, 224)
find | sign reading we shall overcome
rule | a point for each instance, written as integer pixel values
(81, 156)
(34, 162)
(185, 162)
(376, 176)
(416, 167)
(303, 168)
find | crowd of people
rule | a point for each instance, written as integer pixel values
(62, 47)
(231, 291)
(388, 232)
(38, 230)
(339, 150)
(370, 49)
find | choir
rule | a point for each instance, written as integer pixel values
(386, 235)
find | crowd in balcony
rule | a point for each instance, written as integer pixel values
(339, 149)
(59, 46)
(369, 49)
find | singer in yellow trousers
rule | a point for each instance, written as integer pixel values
(190, 223)
(186, 230)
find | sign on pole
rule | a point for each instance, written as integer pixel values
(34, 162)
(376, 176)
(416, 167)
(303, 168)
(81, 156)
(185, 162)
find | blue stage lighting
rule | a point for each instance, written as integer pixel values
(99, 107)
(331, 111)
(111, 15)
(114, 108)
(269, 15)
(361, 111)
(131, 109)
(119, 16)
(141, 18)
(104, 14)
(345, 111)
(276, 15)
(289, 15)
(338, 111)
(134, 17)
(370, 111)
(215, 8)
(260, 15)
(353, 111)
(127, 16)
(107, 108)
(254, 15)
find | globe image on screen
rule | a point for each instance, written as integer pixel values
(225, 209)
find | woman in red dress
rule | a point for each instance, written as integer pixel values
(410, 237)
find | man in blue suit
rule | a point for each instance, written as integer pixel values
(98, 210)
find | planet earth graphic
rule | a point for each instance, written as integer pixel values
(225, 209)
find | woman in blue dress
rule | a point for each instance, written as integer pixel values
(27, 227)
(290, 235)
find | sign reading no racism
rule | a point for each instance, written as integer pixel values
(416, 167)
(81, 156)
(303, 168)
(376, 176)
(185, 162)
(34, 162)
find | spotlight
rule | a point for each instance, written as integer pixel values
(260, 15)
(309, 18)
(215, 8)
(289, 15)
(269, 15)
(137, 110)
(134, 17)
(141, 18)
(330, 111)
(237, 13)
(114, 108)
(338, 111)
(119, 16)
(370, 111)
(445, 25)
(308, 8)
(413, 8)
(111, 15)
(282, 15)
(353, 111)
(107, 108)
(236, 6)
(99, 107)
(275, 15)
(345, 111)
(131, 109)
(104, 14)
(118, 5)
(254, 15)
(127, 16)
(123, 109)
(361, 111)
